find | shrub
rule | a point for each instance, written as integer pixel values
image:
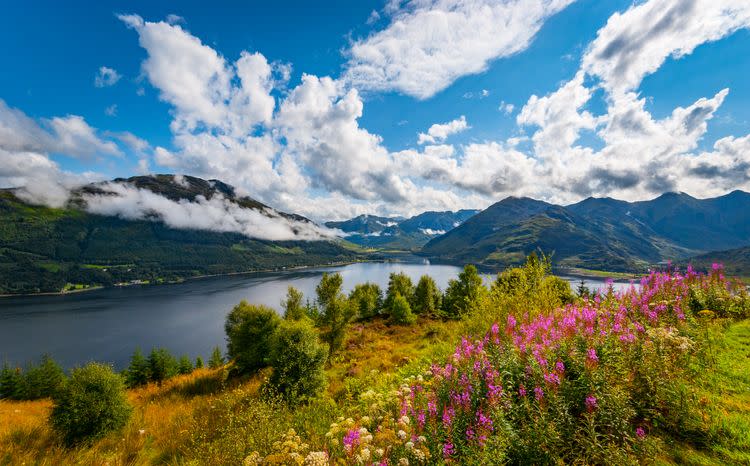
(216, 360)
(90, 404)
(401, 311)
(249, 330)
(427, 296)
(367, 300)
(298, 361)
(138, 372)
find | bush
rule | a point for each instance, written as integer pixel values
(367, 300)
(298, 361)
(249, 329)
(401, 311)
(90, 404)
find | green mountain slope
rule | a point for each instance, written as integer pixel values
(42, 249)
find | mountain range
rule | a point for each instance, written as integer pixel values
(398, 233)
(143, 229)
(45, 249)
(598, 233)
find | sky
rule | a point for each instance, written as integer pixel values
(335, 109)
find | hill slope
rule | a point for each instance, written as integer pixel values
(736, 261)
(597, 233)
(42, 249)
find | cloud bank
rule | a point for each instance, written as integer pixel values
(301, 147)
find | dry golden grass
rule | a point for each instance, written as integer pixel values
(154, 434)
(160, 429)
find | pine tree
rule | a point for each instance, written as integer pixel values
(199, 362)
(216, 360)
(162, 365)
(10, 382)
(185, 365)
(137, 373)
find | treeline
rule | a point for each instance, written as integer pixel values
(44, 379)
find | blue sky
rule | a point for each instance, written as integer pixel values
(553, 99)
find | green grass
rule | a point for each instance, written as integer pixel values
(724, 390)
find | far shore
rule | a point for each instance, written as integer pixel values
(197, 277)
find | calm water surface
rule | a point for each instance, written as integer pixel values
(187, 318)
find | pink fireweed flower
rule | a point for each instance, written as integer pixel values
(351, 439)
(448, 450)
(559, 366)
(538, 393)
(591, 356)
(448, 414)
(640, 432)
(591, 403)
(522, 391)
(552, 378)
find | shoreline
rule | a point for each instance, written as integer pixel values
(197, 277)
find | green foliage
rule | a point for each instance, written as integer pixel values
(292, 305)
(336, 311)
(398, 284)
(528, 289)
(161, 365)
(463, 294)
(185, 365)
(367, 299)
(11, 382)
(298, 361)
(138, 372)
(427, 296)
(35, 381)
(216, 360)
(43, 380)
(90, 404)
(249, 330)
(401, 311)
(199, 362)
